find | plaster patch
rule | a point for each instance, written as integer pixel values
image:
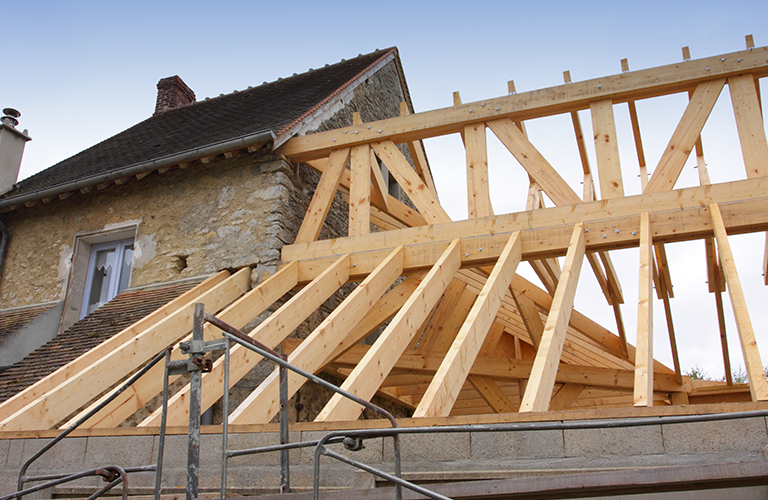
(65, 263)
(225, 196)
(270, 193)
(144, 250)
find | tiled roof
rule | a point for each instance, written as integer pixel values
(113, 317)
(268, 107)
(14, 320)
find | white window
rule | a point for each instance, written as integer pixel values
(109, 269)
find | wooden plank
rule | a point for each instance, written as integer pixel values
(565, 98)
(543, 374)
(606, 149)
(492, 394)
(370, 373)
(263, 403)
(270, 332)
(360, 191)
(721, 325)
(46, 384)
(534, 163)
(443, 390)
(478, 187)
(77, 390)
(566, 396)
(323, 197)
(380, 191)
(444, 312)
(414, 187)
(419, 156)
(749, 121)
(238, 314)
(643, 393)
(685, 136)
(514, 369)
(758, 387)
(529, 313)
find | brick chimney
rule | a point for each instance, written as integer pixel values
(11, 149)
(172, 93)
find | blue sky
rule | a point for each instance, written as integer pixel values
(80, 72)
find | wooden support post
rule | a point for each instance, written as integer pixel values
(672, 338)
(643, 393)
(450, 377)
(606, 149)
(360, 191)
(478, 187)
(685, 136)
(370, 373)
(270, 332)
(542, 380)
(721, 324)
(380, 192)
(323, 197)
(758, 386)
(263, 403)
(749, 121)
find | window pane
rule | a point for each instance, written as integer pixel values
(102, 274)
(125, 271)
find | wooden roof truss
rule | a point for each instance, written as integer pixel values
(460, 331)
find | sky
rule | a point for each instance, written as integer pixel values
(80, 72)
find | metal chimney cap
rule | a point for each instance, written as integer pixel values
(11, 112)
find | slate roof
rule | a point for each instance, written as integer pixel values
(269, 107)
(13, 321)
(113, 317)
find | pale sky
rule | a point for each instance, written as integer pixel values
(80, 72)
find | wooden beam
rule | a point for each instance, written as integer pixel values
(450, 377)
(492, 394)
(543, 374)
(451, 309)
(270, 332)
(534, 163)
(360, 191)
(238, 314)
(478, 187)
(370, 373)
(685, 136)
(380, 192)
(76, 366)
(606, 149)
(566, 396)
(758, 387)
(419, 157)
(749, 121)
(565, 98)
(721, 325)
(263, 403)
(323, 197)
(529, 313)
(77, 390)
(643, 393)
(414, 187)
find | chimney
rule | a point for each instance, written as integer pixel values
(11, 149)
(172, 93)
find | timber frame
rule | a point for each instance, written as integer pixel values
(461, 333)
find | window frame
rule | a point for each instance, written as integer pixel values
(119, 247)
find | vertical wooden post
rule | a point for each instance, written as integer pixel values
(644, 353)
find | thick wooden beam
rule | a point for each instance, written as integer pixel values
(685, 136)
(643, 394)
(478, 187)
(606, 150)
(450, 311)
(543, 374)
(721, 325)
(74, 367)
(360, 191)
(264, 403)
(758, 386)
(450, 377)
(419, 156)
(565, 98)
(380, 190)
(370, 373)
(529, 313)
(77, 390)
(238, 314)
(492, 394)
(323, 197)
(749, 121)
(409, 181)
(270, 332)
(566, 396)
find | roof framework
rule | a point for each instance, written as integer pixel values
(463, 333)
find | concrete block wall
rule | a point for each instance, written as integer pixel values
(444, 457)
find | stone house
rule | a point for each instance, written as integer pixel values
(101, 239)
